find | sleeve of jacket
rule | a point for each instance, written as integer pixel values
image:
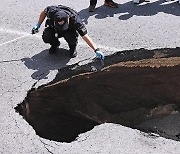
(80, 27)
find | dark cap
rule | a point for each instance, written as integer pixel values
(61, 16)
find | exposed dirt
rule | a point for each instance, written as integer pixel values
(132, 88)
(127, 93)
(154, 62)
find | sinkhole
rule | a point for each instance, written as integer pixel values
(138, 89)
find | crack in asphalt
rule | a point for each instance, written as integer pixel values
(8, 61)
(46, 147)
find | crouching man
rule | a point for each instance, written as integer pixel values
(64, 22)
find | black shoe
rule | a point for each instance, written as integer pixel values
(92, 8)
(73, 53)
(53, 49)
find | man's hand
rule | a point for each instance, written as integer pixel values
(99, 54)
(35, 29)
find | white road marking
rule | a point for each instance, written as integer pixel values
(16, 32)
(13, 40)
(25, 34)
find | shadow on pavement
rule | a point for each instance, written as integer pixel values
(100, 13)
(130, 9)
(43, 62)
(149, 9)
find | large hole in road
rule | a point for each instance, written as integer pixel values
(138, 89)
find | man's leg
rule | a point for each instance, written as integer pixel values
(72, 39)
(92, 5)
(49, 37)
(110, 3)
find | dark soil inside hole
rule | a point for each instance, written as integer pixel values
(128, 93)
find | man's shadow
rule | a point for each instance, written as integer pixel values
(44, 62)
(129, 9)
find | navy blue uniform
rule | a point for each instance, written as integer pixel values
(76, 26)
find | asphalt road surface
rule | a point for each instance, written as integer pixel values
(25, 61)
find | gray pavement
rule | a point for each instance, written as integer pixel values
(25, 60)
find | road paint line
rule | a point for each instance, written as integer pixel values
(18, 32)
(25, 34)
(13, 40)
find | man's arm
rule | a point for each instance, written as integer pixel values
(89, 41)
(42, 17)
(83, 32)
(37, 26)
